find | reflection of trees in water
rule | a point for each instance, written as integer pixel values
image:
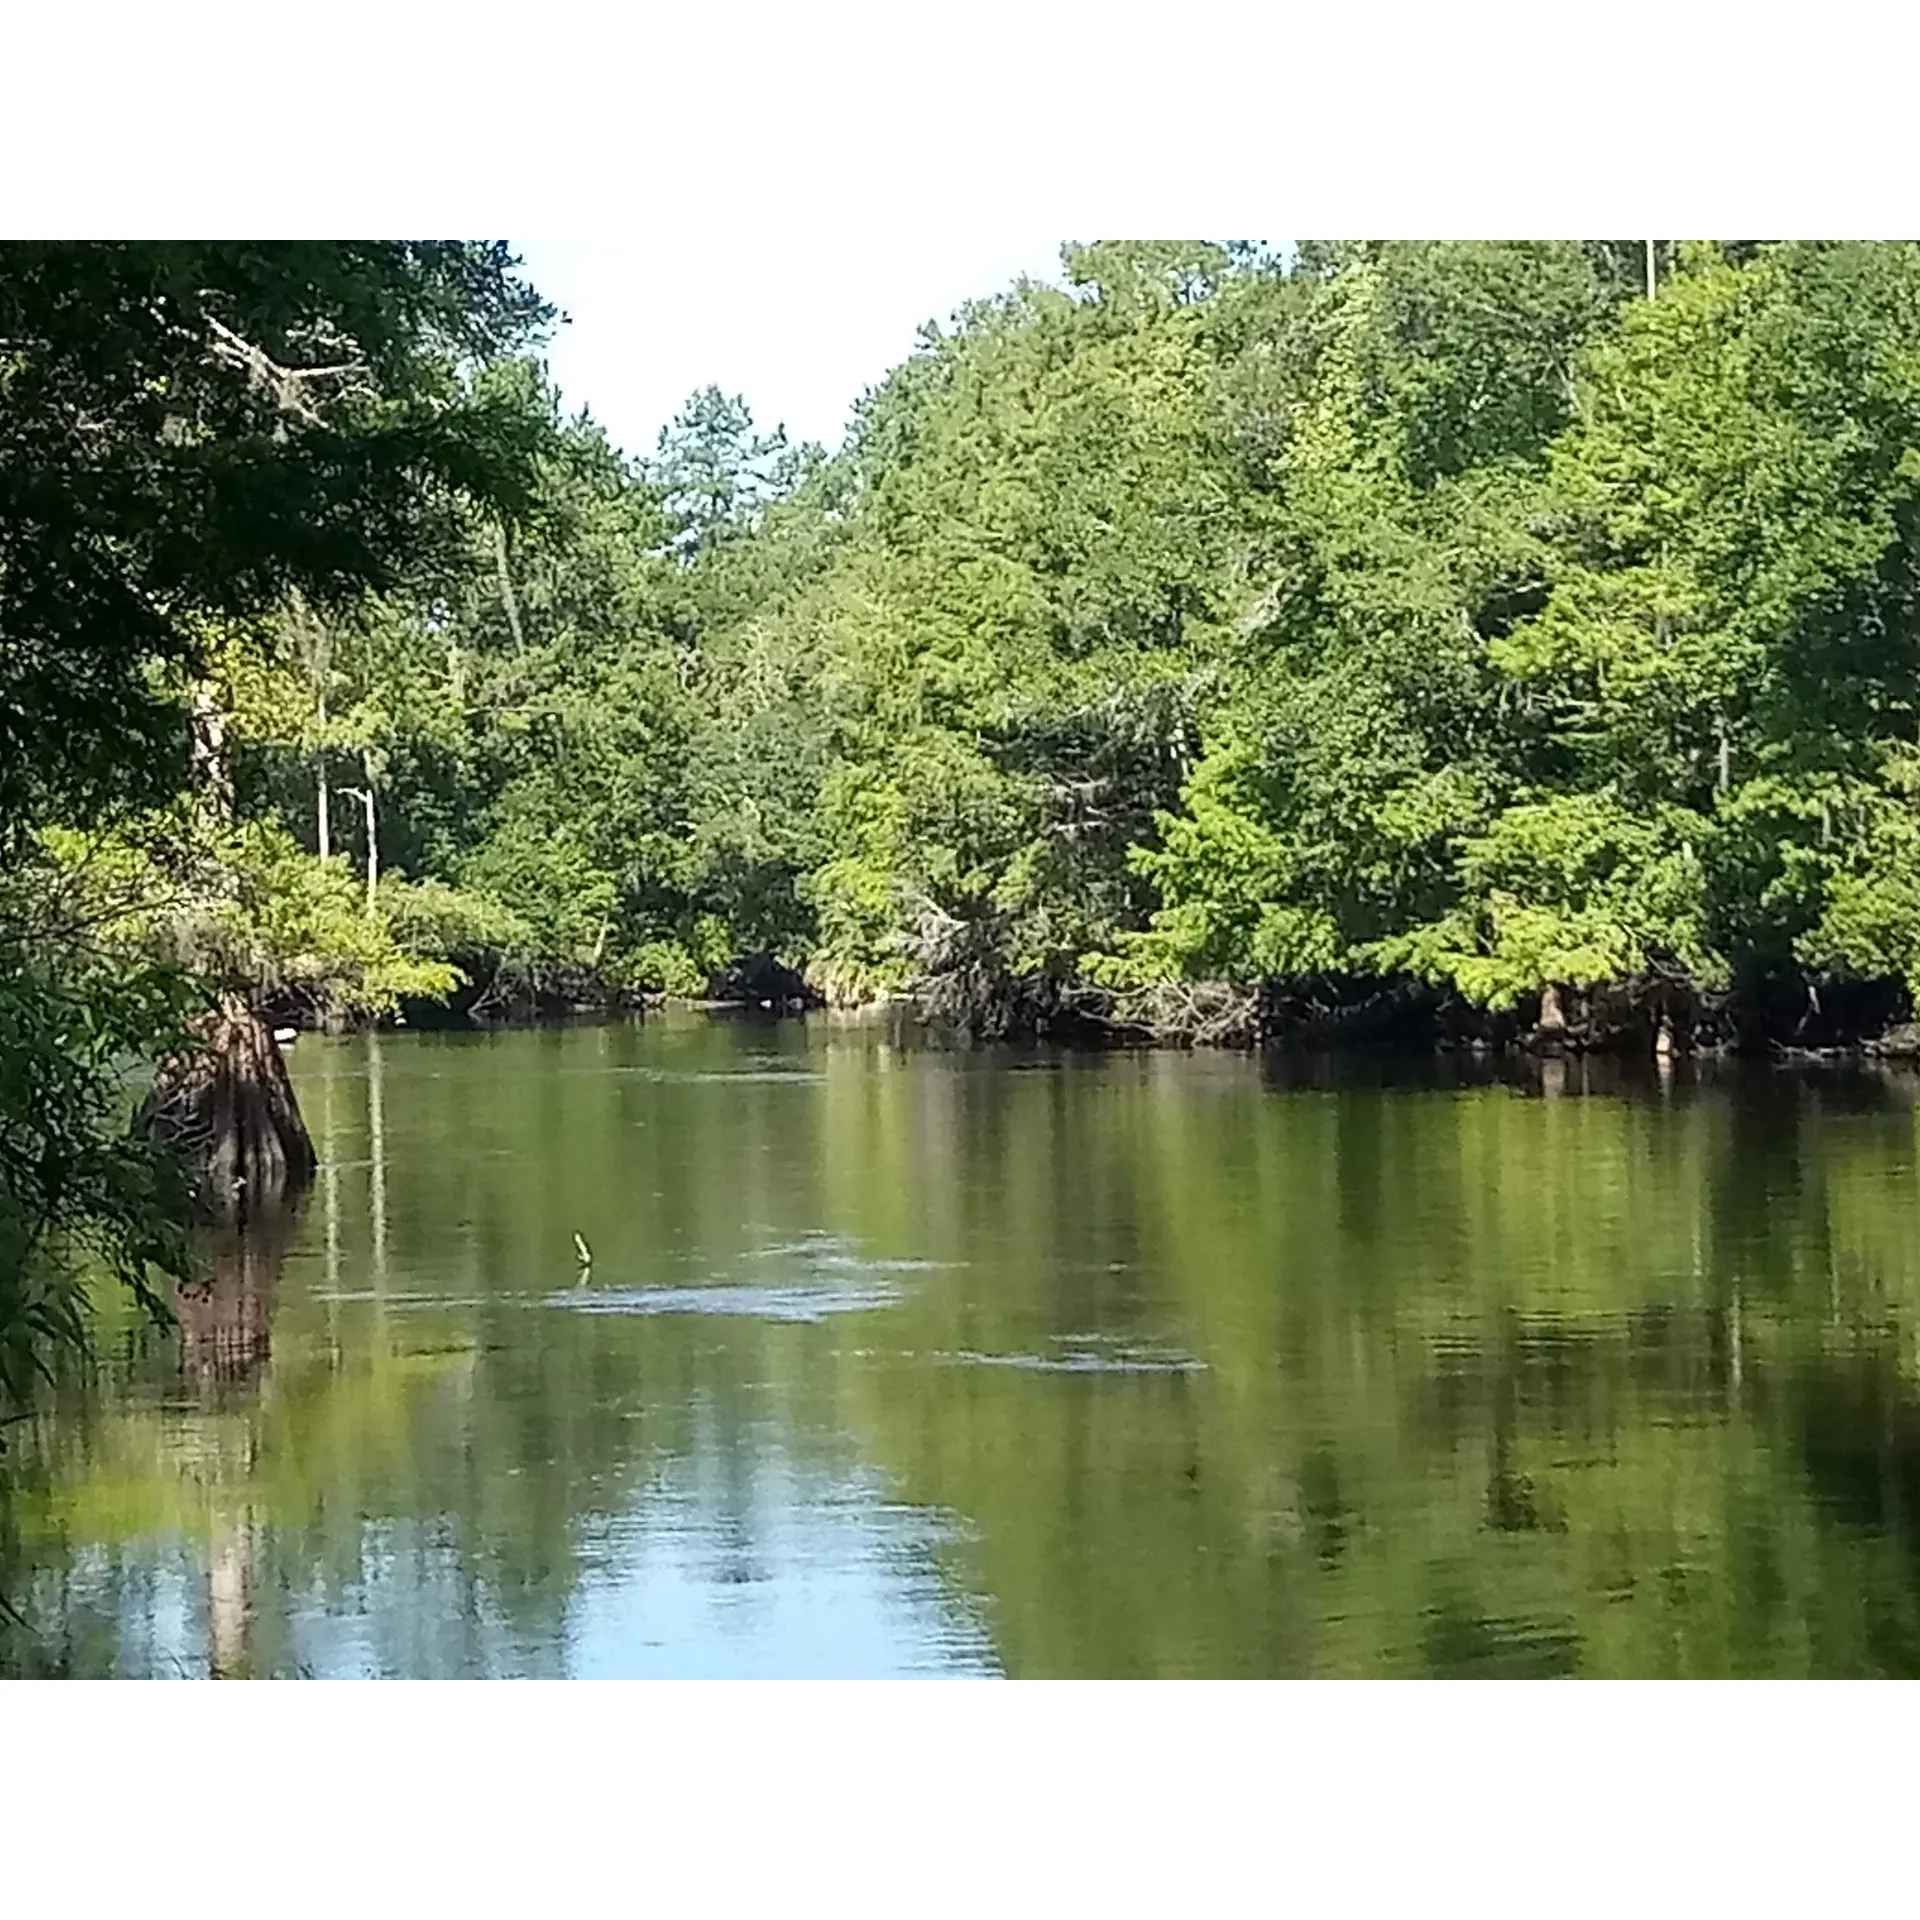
(1856, 1418)
(1496, 1378)
(230, 1575)
(226, 1314)
(103, 1600)
(1496, 1384)
(1780, 1464)
(1500, 1379)
(226, 1323)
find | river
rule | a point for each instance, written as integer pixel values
(900, 1359)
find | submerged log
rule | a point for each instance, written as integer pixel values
(225, 1106)
(1898, 1043)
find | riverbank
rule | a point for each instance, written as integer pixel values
(1778, 1013)
(1785, 1019)
(1778, 1016)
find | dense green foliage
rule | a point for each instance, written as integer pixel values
(1394, 612)
(1532, 633)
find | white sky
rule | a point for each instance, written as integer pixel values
(798, 324)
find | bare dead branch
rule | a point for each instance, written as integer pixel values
(286, 386)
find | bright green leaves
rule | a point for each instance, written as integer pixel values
(1697, 519)
(1224, 876)
(1856, 858)
(302, 926)
(1045, 540)
(1731, 614)
(1128, 275)
(1574, 890)
(243, 906)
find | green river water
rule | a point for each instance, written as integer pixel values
(898, 1359)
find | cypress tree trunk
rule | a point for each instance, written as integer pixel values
(226, 1107)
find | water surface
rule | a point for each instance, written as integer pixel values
(894, 1359)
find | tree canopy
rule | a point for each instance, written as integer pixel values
(193, 438)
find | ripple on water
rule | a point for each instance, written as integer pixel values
(364, 1296)
(796, 1302)
(703, 1076)
(1122, 1361)
(826, 1252)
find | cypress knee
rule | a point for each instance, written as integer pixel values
(1549, 1035)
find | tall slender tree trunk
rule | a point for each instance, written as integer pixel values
(323, 799)
(212, 770)
(365, 796)
(1652, 281)
(508, 599)
(373, 849)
